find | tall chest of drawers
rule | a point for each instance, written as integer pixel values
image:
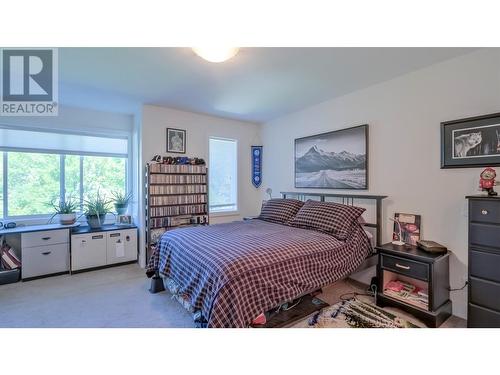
(484, 262)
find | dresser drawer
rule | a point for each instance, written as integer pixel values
(484, 235)
(484, 265)
(485, 293)
(484, 211)
(405, 267)
(46, 237)
(479, 317)
(45, 260)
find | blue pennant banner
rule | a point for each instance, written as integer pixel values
(256, 166)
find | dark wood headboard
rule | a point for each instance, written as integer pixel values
(347, 199)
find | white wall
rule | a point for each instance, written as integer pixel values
(404, 117)
(199, 127)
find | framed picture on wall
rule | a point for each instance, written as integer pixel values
(176, 141)
(333, 160)
(471, 142)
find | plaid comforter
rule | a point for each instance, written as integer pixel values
(233, 272)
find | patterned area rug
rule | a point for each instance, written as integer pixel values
(355, 313)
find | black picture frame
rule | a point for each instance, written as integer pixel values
(171, 132)
(363, 137)
(459, 142)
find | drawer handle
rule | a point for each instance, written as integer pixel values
(484, 212)
(403, 267)
(46, 252)
(45, 238)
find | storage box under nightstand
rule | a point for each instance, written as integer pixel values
(428, 272)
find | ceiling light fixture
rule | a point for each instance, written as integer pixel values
(216, 54)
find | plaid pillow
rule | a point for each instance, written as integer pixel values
(280, 210)
(328, 217)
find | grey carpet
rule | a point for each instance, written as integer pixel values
(113, 297)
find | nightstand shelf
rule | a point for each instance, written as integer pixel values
(425, 277)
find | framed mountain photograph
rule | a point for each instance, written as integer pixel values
(333, 160)
(471, 142)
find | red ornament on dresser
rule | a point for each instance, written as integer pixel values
(487, 181)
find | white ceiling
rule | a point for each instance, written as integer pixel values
(259, 84)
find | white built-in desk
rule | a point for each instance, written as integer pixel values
(46, 250)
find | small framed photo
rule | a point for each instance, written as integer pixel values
(124, 220)
(176, 141)
(410, 228)
(471, 142)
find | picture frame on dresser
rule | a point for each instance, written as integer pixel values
(471, 142)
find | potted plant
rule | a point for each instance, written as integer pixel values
(95, 210)
(65, 209)
(121, 201)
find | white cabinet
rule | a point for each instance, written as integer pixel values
(97, 249)
(44, 253)
(121, 246)
(88, 251)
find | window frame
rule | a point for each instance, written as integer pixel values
(231, 212)
(62, 178)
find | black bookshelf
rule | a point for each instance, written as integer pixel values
(176, 197)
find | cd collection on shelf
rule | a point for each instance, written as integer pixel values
(167, 200)
(177, 178)
(176, 196)
(177, 189)
(170, 168)
(178, 210)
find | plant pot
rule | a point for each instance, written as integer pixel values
(121, 209)
(95, 221)
(67, 219)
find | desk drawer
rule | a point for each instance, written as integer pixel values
(484, 211)
(406, 267)
(45, 260)
(46, 237)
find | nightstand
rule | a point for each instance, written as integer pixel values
(427, 271)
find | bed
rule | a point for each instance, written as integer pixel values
(228, 274)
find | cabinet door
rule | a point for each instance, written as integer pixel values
(121, 246)
(88, 251)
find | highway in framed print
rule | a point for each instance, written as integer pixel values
(333, 160)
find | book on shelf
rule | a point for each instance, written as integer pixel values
(407, 292)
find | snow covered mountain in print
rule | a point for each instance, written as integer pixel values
(315, 160)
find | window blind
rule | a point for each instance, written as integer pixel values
(33, 140)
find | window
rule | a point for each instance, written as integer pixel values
(69, 165)
(32, 182)
(223, 177)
